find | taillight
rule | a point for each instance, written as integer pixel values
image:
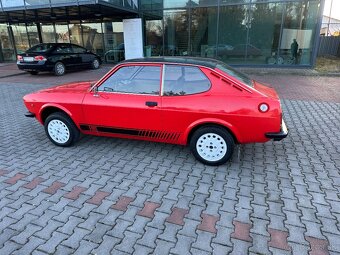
(39, 58)
(20, 58)
(263, 107)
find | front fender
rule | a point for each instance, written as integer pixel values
(210, 121)
(52, 105)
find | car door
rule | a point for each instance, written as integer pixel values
(185, 98)
(83, 57)
(127, 102)
(63, 53)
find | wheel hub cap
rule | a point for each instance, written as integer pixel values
(58, 131)
(211, 147)
(60, 69)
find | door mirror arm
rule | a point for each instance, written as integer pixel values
(95, 91)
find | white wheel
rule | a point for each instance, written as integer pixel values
(61, 130)
(211, 147)
(58, 131)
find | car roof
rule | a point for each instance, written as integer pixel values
(206, 62)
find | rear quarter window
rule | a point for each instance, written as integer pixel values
(184, 80)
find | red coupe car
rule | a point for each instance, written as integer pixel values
(199, 102)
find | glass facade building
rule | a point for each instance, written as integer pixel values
(238, 32)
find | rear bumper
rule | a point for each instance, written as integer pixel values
(43, 66)
(280, 135)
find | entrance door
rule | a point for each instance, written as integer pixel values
(6, 45)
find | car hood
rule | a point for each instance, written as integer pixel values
(266, 90)
(74, 87)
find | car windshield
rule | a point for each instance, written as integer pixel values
(234, 73)
(41, 47)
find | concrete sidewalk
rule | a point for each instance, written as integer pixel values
(9, 69)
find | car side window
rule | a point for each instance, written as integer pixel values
(134, 80)
(63, 49)
(78, 49)
(184, 80)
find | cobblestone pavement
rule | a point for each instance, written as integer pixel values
(114, 196)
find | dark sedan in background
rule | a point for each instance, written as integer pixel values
(57, 58)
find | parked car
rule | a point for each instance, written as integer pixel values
(117, 54)
(57, 58)
(199, 102)
(240, 50)
(212, 50)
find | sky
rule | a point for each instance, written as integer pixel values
(335, 8)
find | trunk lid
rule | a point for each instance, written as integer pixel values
(266, 90)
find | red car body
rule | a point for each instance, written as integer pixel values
(249, 111)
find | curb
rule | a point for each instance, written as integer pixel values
(11, 75)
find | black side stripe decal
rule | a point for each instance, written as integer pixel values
(134, 132)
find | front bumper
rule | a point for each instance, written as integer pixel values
(30, 114)
(280, 135)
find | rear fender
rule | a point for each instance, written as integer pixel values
(210, 121)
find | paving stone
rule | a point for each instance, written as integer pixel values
(65, 215)
(9, 247)
(96, 236)
(208, 223)
(240, 247)
(91, 221)
(149, 237)
(119, 229)
(129, 238)
(149, 209)
(258, 244)
(54, 187)
(52, 243)
(296, 234)
(122, 203)
(13, 180)
(74, 194)
(6, 235)
(203, 241)
(70, 225)
(30, 246)
(34, 183)
(23, 237)
(163, 247)
(242, 231)
(189, 228)
(74, 240)
(177, 216)
(62, 250)
(170, 233)
(183, 245)
(107, 245)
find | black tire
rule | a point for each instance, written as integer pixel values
(59, 69)
(215, 151)
(33, 72)
(95, 64)
(61, 130)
